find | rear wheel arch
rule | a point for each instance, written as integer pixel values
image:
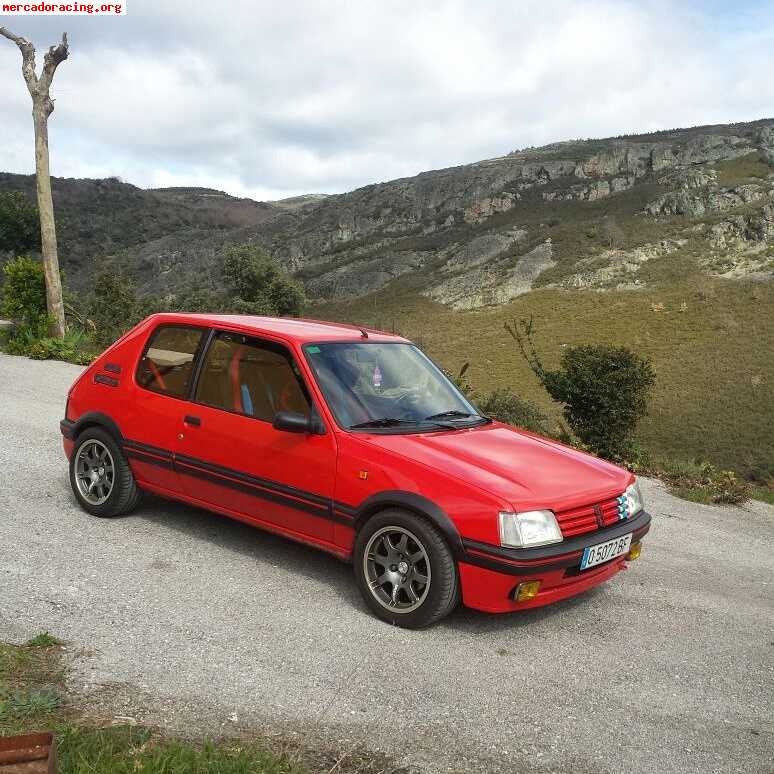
(414, 503)
(98, 419)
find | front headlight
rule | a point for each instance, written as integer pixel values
(634, 501)
(531, 528)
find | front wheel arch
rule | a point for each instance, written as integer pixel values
(416, 504)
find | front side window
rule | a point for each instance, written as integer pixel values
(389, 385)
(254, 378)
(167, 365)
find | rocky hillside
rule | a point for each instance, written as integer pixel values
(571, 215)
(579, 214)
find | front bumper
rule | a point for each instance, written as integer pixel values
(489, 574)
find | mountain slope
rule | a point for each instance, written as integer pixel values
(97, 219)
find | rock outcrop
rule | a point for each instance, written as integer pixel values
(696, 204)
(496, 282)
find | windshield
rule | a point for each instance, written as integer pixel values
(387, 385)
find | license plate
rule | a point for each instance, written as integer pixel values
(604, 552)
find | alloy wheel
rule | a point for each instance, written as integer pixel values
(94, 472)
(397, 569)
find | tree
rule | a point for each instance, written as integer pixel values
(258, 284)
(113, 307)
(42, 107)
(19, 224)
(605, 390)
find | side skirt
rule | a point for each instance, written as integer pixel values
(329, 548)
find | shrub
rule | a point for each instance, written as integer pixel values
(726, 487)
(24, 294)
(604, 389)
(702, 482)
(74, 347)
(19, 223)
(505, 406)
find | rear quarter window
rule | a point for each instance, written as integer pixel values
(167, 363)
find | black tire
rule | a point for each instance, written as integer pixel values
(436, 599)
(123, 495)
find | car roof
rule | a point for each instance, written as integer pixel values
(291, 328)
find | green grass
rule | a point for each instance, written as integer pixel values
(715, 373)
(763, 492)
(33, 698)
(129, 750)
(43, 640)
(751, 168)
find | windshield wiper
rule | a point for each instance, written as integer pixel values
(394, 422)
(451, 413)
(383, 422)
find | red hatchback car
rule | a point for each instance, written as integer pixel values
(352, 441)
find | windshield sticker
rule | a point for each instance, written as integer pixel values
(313, 350)
(377, 378)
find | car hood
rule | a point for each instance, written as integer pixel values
(525, 470)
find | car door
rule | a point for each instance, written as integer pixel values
(232, 457)
(152, 416)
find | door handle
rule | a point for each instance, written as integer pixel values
(193, 421)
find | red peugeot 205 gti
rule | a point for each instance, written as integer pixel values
(352, 441)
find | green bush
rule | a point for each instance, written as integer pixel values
(74, 347)
(604, 389)
(23, 300)
(19, 223)
(505, 406)
(24, 294)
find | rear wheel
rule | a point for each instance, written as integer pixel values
(405, 569)
(100, 476)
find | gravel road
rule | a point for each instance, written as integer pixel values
(190, 620)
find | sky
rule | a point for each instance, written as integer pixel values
(270, 100)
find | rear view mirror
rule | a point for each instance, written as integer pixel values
(293, 422)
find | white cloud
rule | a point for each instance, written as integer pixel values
(270, 100)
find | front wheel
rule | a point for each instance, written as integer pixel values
(405, 569)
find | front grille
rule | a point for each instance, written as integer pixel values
(577, 521)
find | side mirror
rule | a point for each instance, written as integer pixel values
(293, 422)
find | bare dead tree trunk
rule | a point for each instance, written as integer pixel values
(42, 107)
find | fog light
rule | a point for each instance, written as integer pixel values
(634, 552)
(525, 591)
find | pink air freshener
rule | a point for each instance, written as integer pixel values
(377, 378)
